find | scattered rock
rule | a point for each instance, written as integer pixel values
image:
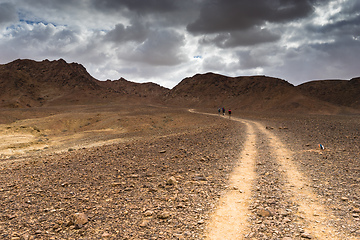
(148, 213)
(201, 221)
(306, 235)
(106, 235)
(200, 178)
(78, 220)
(144, 223)
(164, 215)
(264, 212)
(171, 181)
(356, 210)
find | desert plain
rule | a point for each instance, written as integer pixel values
(120, 171)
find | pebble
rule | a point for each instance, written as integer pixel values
(356, 210)
(164, 215)
(148, 213)
(264, 213)
(171, 181)
(306, 235)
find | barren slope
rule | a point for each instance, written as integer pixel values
(253, 93)
(339, 92)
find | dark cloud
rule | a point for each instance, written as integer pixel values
(56, 5)
(162, 47)
(248, 37)
(155, 39)
(253, 59)
(7, 13)
(136, 32)
(138, 6)
(232, 15)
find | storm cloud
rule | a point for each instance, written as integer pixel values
(164, 40)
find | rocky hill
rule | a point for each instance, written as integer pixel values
(248, 93)
(339, 92)
(28, 83)
(126, 87)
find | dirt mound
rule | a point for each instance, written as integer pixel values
(248, 93)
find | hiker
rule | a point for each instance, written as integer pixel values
(219, 111)
(229, 113)
(223, 109)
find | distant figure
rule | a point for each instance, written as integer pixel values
(223, 109)
(229, 113)
(219, 110)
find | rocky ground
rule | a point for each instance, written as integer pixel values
(334, 172)
(163, 183)
(153, 188)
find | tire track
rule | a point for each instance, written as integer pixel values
(229, 221)
(315, 216)
(232, 216)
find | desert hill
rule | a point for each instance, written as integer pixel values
(28, 83)
(339, 92)
(249, 93)
(124, 86)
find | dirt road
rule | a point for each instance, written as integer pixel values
(269, 197)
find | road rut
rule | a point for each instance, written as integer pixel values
(290, 209)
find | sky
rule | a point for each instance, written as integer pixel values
(164, 41)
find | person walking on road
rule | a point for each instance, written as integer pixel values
(223, 110)
(219, 110)
(229, 113)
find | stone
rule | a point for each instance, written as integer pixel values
(79, 219)
(144, 223)
(306, 235)
(286, 220)
(356, 210)
(164, 215)
(171, 181)
(106, 235)
(148, 213)
(200, 178)
(264, 212)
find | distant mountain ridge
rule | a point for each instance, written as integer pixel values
(28, 83)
